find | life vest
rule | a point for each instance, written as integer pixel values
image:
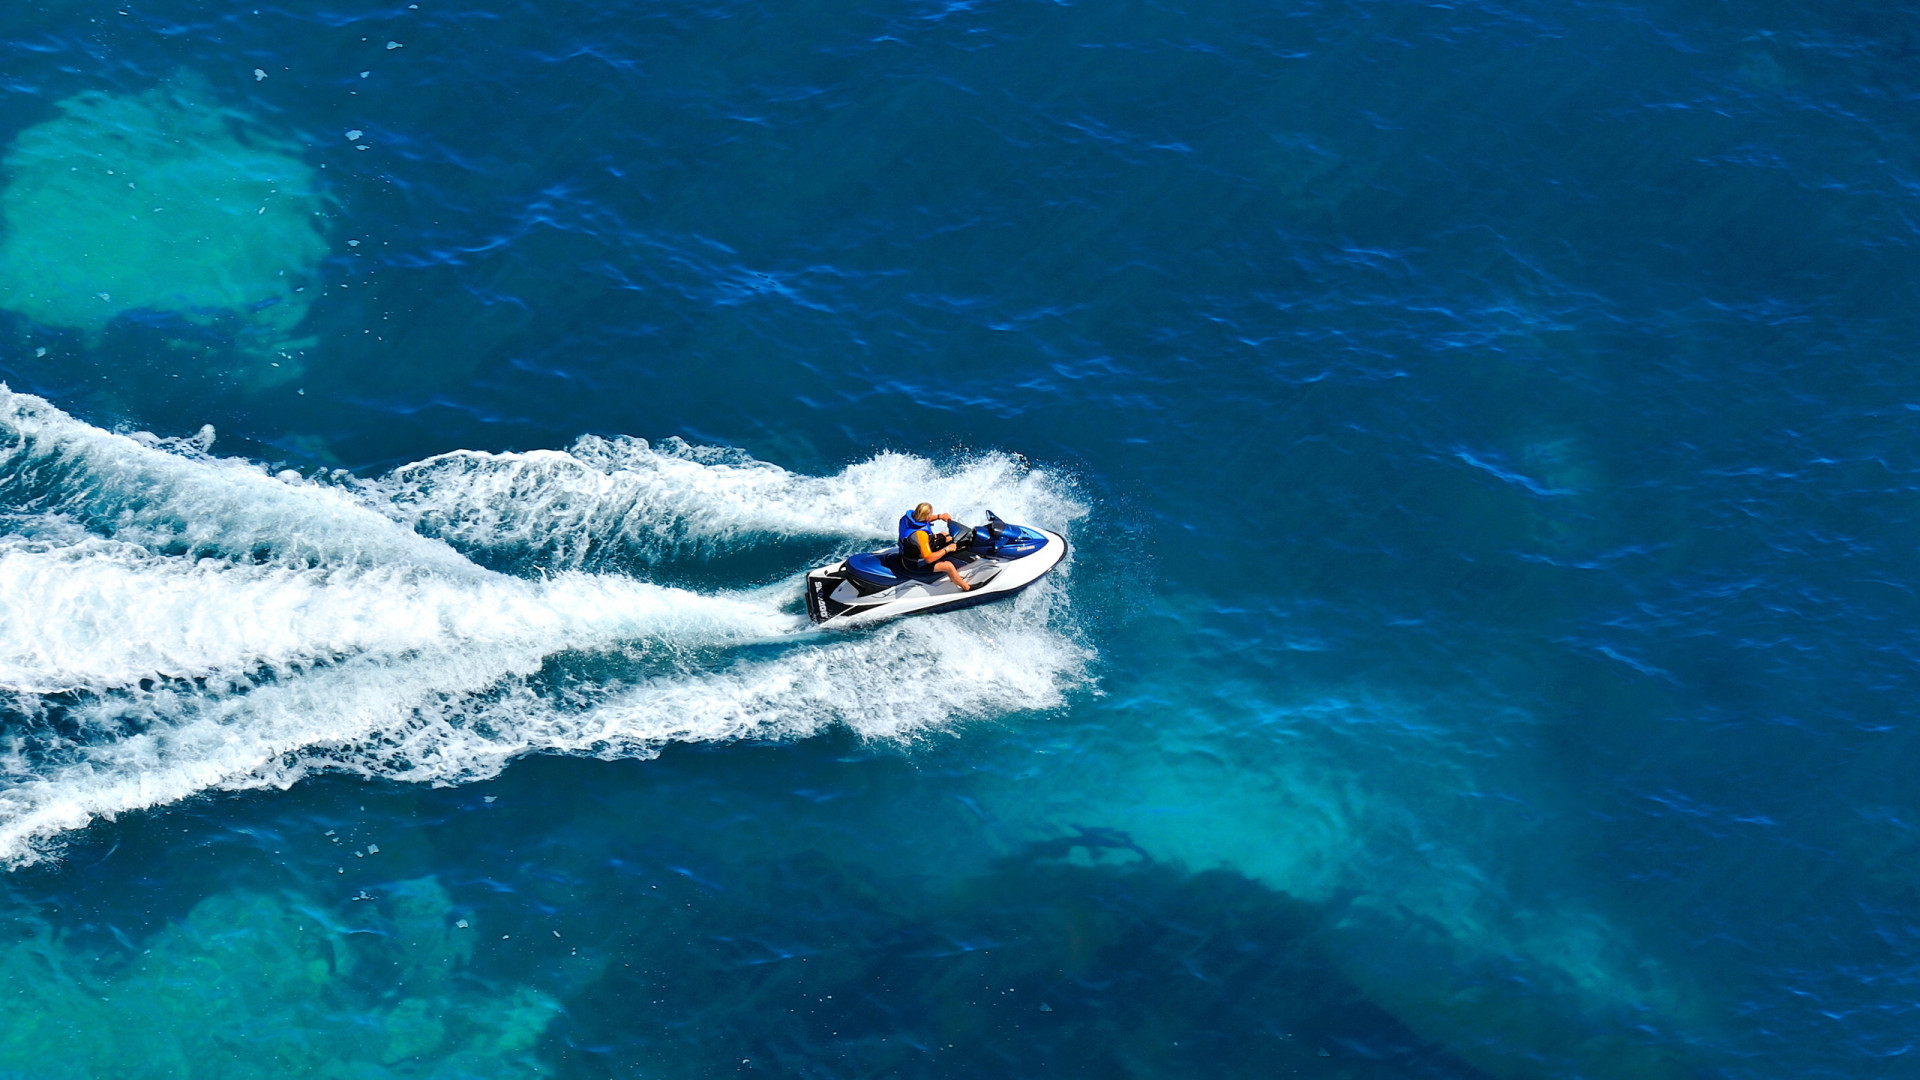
(909, 550)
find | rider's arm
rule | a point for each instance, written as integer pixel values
(927, 553)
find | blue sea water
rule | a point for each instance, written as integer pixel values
(1486, 434)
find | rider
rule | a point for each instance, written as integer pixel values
(917, 550)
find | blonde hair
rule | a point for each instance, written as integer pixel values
(923, 512)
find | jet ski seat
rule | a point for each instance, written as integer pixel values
(869, 568)
(885, 571)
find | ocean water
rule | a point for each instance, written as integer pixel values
(1486, 433)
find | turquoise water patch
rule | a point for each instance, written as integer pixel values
(251, 984)
(163, 201)
(1405, 818)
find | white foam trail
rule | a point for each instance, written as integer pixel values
(172, 623)
(170, 495)
(453, 715)
(898, 682)
(101, 614)
(648, 501)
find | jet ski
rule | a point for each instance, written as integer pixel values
(996, 559)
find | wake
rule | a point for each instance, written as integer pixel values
(172, 622)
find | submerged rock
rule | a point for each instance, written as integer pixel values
(1038, 967)
(159, 202)
(256, 985)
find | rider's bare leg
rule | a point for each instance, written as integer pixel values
(952, 575)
